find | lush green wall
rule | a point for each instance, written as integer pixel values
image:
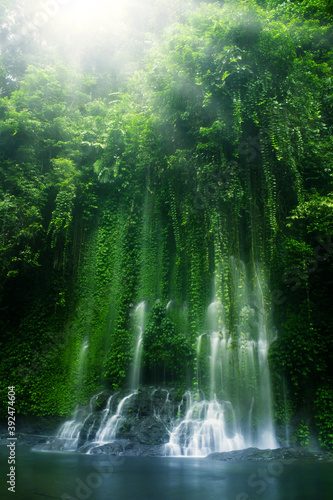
(220, 146)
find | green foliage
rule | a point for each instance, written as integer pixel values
(43, 164)
(303, 434)
(116, 366)
(219, 146)
(314, 217)
(324, 415)
(310, 9)
(300, 354)
(167, 353)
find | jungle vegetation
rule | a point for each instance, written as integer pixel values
(128, 170)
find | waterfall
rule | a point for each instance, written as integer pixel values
(89, 427)
(106, 412)
(286, 416)
(208, 426)
(166, 411)
(81, 365)
(265, 435)
(139, 320)
(198, 359)
(108, 429)
(231, 406)
(69, 433)
(238, 413)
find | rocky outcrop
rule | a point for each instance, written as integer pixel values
(127, 448)
(141, 423)
(285, 455)
(144, 417)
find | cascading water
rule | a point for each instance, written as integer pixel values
(266, 437)
(139, 320)
(110, 423)
(208, 426)
(231, 369)
(107, 410)
(81, 364)
(108, 429)
(198, 359)
(286, 417)
(239, 411)
(136, 421)
(89, 428)
(69, 433)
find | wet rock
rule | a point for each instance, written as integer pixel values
(90, 428)
(125, 448)
(150, 431)
(145, 417)
(285, 455)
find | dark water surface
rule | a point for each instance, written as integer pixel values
(41, 476)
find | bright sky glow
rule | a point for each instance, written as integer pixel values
(80, 21)
(75, 28)
(91, 13)
(89, 10)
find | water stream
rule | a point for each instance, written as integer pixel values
(208, 426)
(139, 323)
(81, 365)
(69, 433)
(238, 413)
(108, 429)
(230, 407)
